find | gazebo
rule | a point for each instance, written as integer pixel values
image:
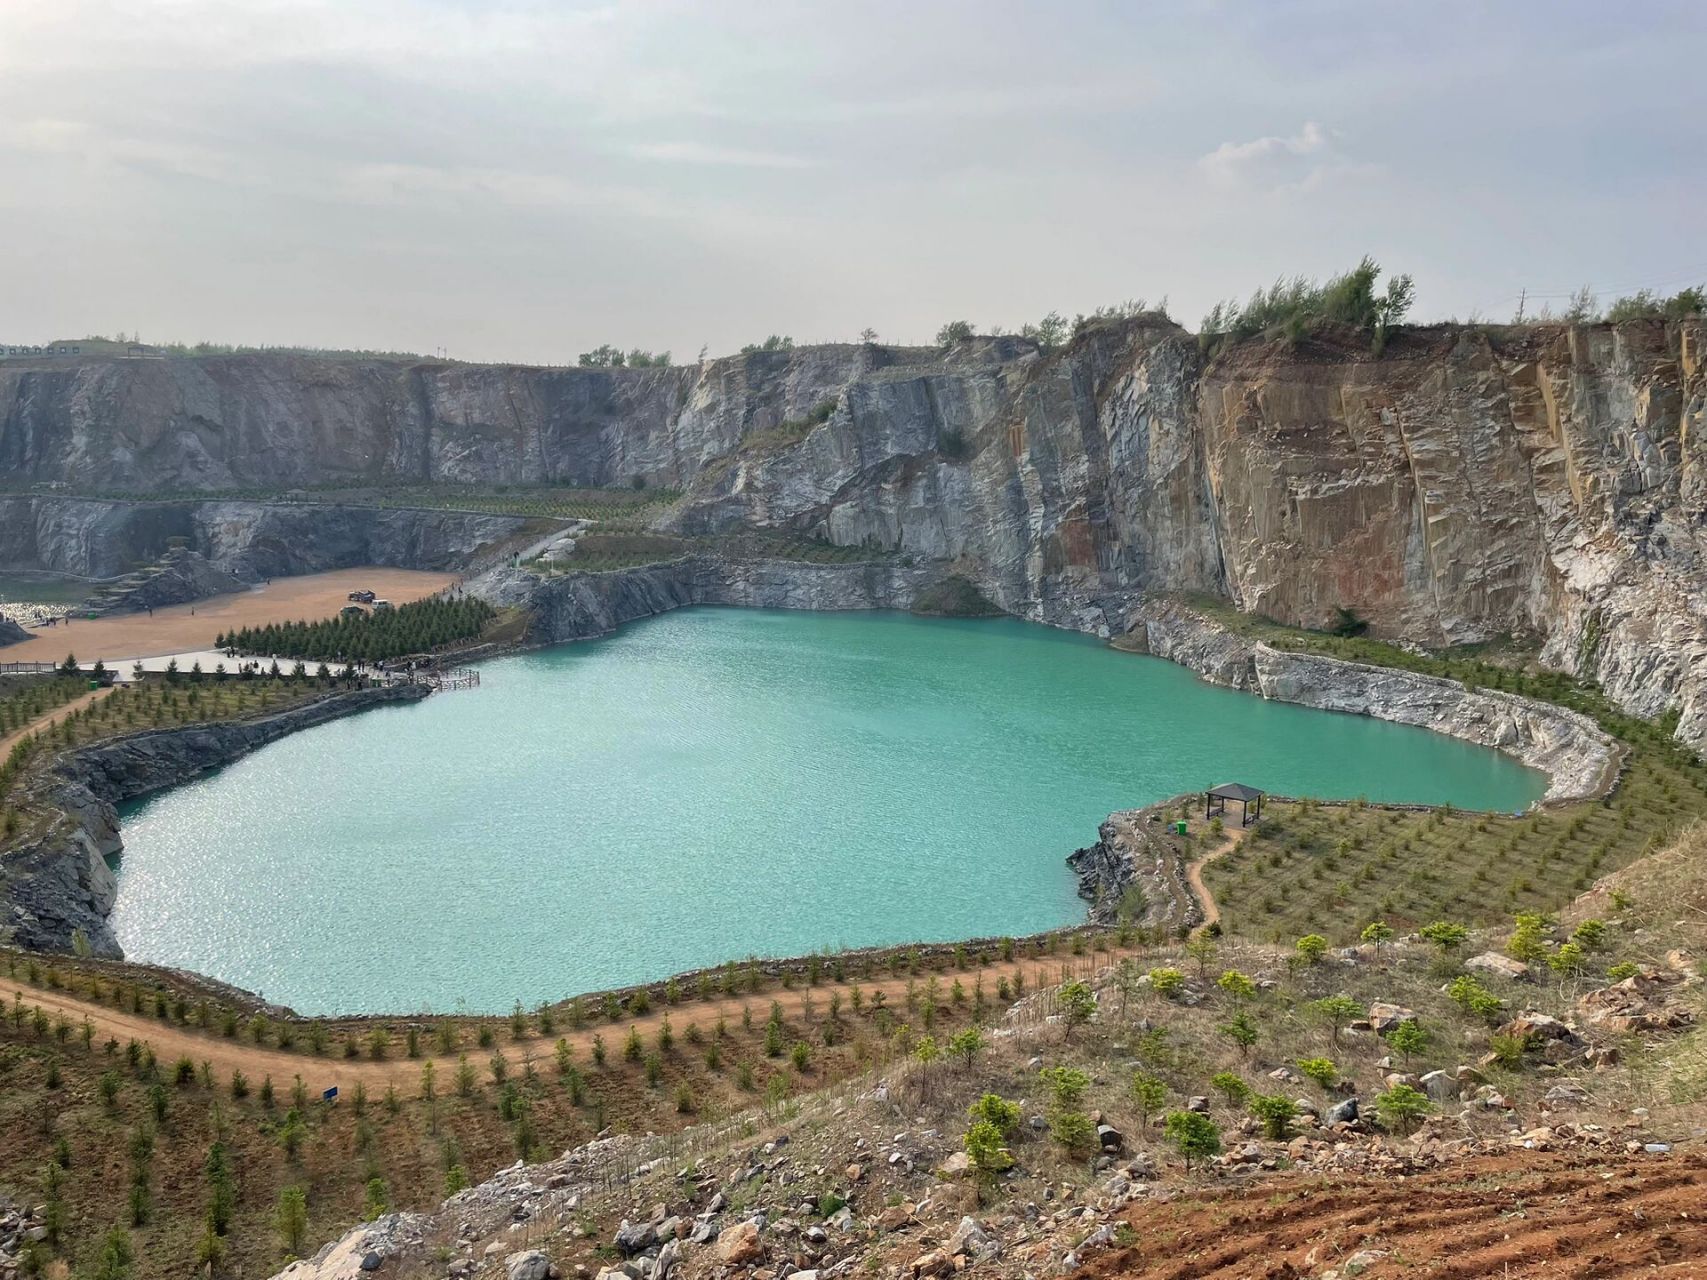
(1215, 801)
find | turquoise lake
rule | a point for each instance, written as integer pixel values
(708, 785)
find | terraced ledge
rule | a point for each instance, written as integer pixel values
(1580, 759)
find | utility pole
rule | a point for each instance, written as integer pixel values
(1522, 297)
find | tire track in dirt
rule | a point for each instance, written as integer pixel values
(1578, 1214)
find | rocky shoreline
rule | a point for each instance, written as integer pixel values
(59, 885)
(1580, 760)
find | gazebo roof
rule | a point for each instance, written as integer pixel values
(1235, 791)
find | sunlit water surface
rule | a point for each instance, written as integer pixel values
(707, 785)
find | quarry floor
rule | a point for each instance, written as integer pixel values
(187, 628)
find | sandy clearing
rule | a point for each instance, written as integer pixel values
(184, 627)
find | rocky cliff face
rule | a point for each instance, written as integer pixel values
(581, 606)
(1468, 483)
(100, 538)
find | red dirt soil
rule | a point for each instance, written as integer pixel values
(1519, 1216)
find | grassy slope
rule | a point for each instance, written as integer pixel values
(1332, 869)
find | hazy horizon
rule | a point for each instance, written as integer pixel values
(526, 181)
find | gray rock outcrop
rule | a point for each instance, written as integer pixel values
(1546, 483)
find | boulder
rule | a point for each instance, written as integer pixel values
(935, 1263)
(1110, 1138)
(1540, 1029)
(1440, 1086)
(957, 1165)
(1383, 1017)
(635, 1237)
(528, 1265)
(740, 1244)
(1635, 1004)
(1500, 965)
(969, 1237)
(1342, 1112)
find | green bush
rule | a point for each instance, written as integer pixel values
(1276, 1114)
(998, 1112)
(1193, 1134)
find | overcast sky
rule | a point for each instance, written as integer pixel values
(524, 180)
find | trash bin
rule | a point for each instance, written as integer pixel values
(1179, 828)
(94, 684)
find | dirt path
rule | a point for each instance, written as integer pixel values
(186, 628)
(1194, 877)
(171, 1042)
(1507, 1217)
(50, 719)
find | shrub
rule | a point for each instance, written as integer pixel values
(1166, 982)
(1528, 941)
(1445, 934)
(1312, 947)
(1291, 307)
(1067, 1086)
(1076, 1003)
(1149, 1093)
(967, 1045)
(1472, 997)
(1407, 1039)
(1241, 1031)
(998, 1112)
(1401, 1107)
(986, 1146)
(1231, 1086)
(1073, 1130)
(1194, 1134)
(1276, 1113)
(1336, 1011)
(1321, 1070)
(1237, 985)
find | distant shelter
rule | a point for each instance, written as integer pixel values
(1215, 802)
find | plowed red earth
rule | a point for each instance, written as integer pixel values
(1518, 1216)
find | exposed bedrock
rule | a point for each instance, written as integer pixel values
(581, 606)
(1542, 482)
(59, 883)
(1136, 872)
(97, 538)
(1580, 760)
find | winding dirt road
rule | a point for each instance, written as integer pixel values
(1194, 877)
(50, 719)
(171, 1042)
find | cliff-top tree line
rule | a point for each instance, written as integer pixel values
(420, 627)
(1289, 307)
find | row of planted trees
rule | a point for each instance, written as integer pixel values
(419, 627)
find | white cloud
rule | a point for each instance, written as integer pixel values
(1300, 160)
(702, 153)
